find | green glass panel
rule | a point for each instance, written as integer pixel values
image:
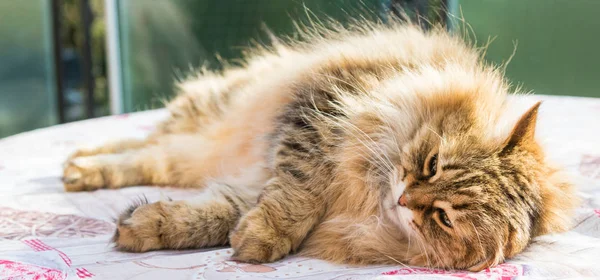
(27, 89)
(558, 41)
(163, 40)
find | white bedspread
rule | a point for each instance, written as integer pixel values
(46, 233)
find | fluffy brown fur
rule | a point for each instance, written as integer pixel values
(372, 145)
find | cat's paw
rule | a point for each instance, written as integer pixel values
(83, 174)
(140, 227)
(256, 241)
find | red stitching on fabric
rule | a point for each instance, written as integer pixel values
(65, 258)
(38, 246)
(83, 273)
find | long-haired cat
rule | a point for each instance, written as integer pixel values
(370, 145)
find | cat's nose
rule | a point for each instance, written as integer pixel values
(402, 200)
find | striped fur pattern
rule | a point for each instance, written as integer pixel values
(370, 145)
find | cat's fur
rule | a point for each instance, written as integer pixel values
(327, 148)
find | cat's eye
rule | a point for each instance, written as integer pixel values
(433, 165)
(444, 218)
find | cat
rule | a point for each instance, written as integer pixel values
(375, 144)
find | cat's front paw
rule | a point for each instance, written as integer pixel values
(255, 240)
(140, 227)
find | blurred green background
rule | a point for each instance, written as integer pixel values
(558, 41)
(162, 41)
(27, 91)
(166, 40)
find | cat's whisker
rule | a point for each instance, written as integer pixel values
(400, 263)
(409, 244)
(442, 139)
(364, 136)
(380, 169)
(356, 86)
(424, 251)
(378, 154)
(441, 261)
(478, 239)
(436, 253)
(389, 129)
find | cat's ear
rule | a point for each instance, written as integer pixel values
(523, 133)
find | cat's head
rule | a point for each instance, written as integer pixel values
(468, 194)
(470, 201)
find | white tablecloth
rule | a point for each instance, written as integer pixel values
(49, 234)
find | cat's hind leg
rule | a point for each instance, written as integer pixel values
(203, 221)
(110, 148)
(201, 102)
(88, 173)
(161, 163)
(185, 161)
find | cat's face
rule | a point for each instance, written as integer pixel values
(465, 203)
